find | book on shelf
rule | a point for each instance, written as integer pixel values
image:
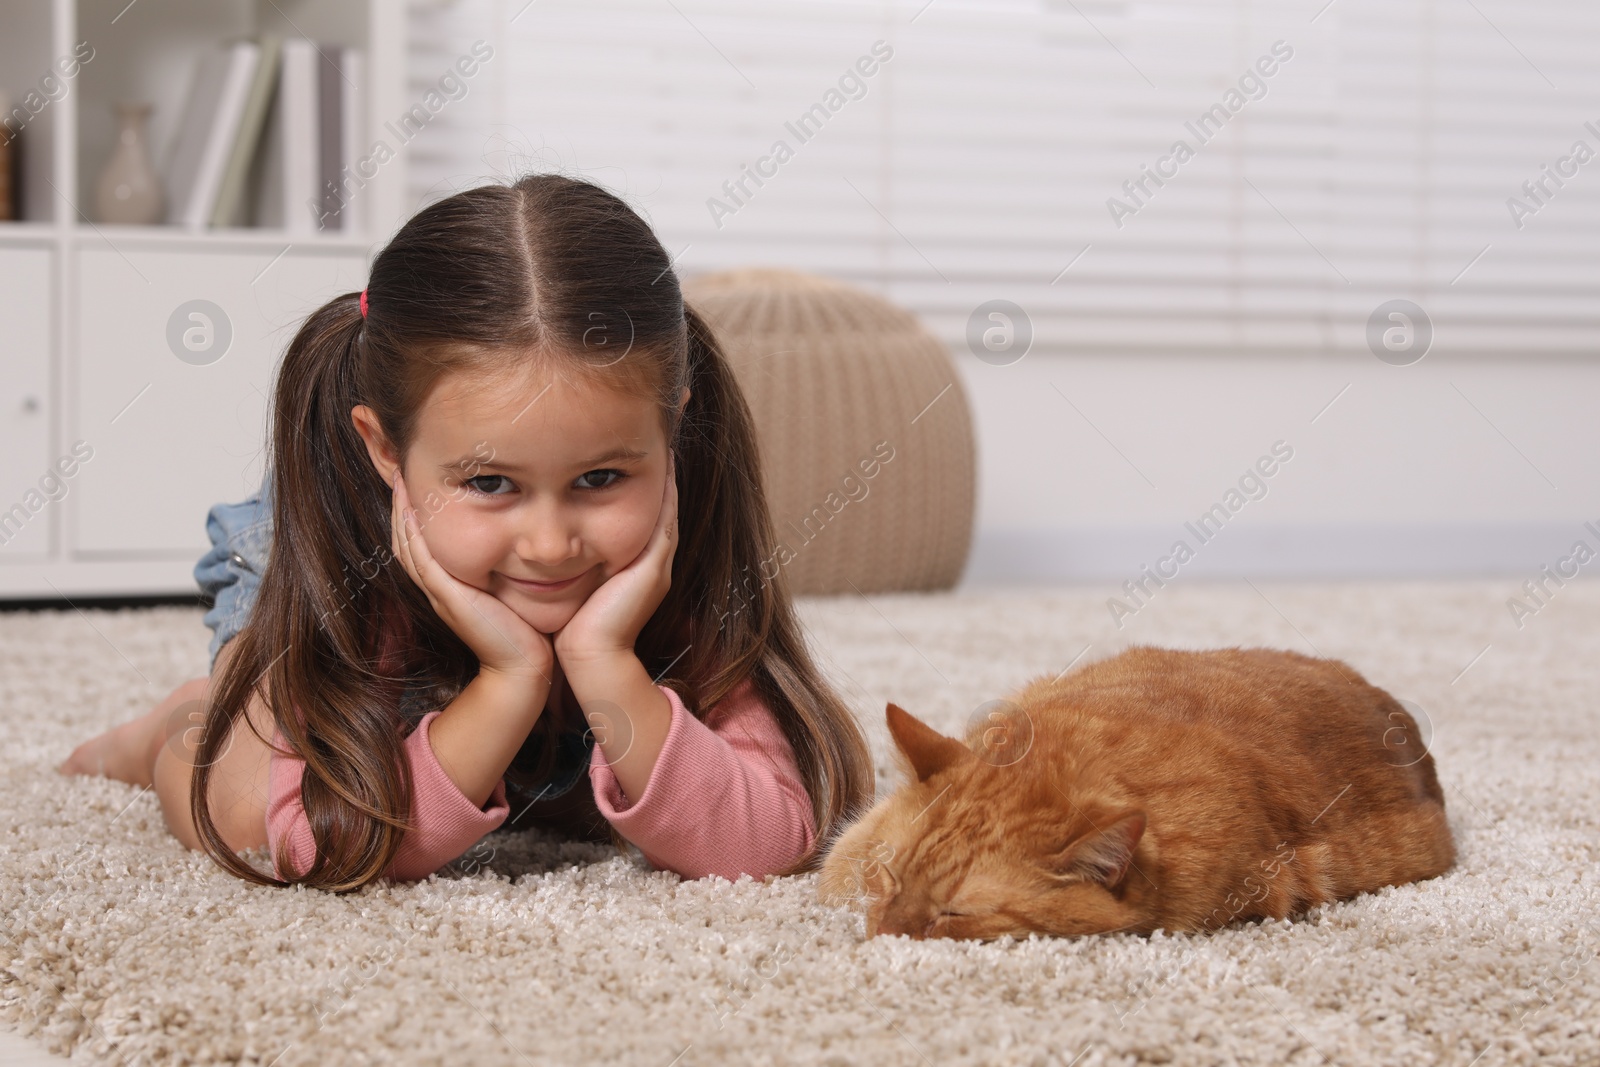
(230, 208)
(267, 136)
(207, 129)
(10, 165)
(289, 171)
(354, 118)
(339, 111)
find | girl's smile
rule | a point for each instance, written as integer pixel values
(533, 488)
(543, 587)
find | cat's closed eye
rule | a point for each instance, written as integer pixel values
(969, 922)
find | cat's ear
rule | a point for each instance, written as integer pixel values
(1102, 855)
(926, 749)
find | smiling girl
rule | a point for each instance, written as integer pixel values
(513, 485)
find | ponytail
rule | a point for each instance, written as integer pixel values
(727, 578)
(309, 644)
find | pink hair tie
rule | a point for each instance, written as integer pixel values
(363, 303)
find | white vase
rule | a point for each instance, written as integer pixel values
(129, 190)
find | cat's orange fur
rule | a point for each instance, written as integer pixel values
(1154, 789)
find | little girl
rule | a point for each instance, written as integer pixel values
(462, 582)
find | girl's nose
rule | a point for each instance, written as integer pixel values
(546, 538)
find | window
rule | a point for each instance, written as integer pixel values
(1338, 156)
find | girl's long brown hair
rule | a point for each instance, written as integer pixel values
(551, 268)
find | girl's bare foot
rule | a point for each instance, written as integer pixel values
(127, 752)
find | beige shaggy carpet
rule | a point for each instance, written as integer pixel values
(121, 947)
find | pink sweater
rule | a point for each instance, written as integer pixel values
(725, 797)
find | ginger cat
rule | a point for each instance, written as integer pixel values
(1153, 789)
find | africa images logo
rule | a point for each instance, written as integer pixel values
(852, 85)
(1252, 85)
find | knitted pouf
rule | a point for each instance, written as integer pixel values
(865, 435)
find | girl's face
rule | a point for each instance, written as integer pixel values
(531, 478)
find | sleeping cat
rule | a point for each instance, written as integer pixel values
(1153, 789)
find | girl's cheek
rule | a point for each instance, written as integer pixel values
(462, 542)
(625, 533)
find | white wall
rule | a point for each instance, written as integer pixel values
(1443, 467)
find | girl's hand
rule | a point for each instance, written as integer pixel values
(502, 641)
(609, 622)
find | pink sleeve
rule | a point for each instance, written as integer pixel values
(447, 822)
(725, 796)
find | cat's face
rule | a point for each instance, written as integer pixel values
(972, 850)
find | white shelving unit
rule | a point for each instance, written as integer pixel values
(84, 306)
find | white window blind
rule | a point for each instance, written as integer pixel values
(1378, 160)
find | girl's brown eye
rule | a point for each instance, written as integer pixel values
(606, 485)
(495, 482)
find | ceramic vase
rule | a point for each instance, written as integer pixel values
(129, 190)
